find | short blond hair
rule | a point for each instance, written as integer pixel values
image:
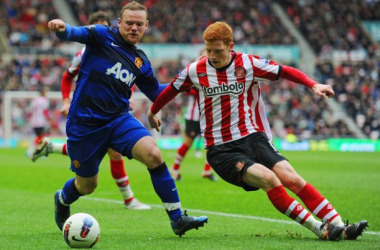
(218, 31)
(133, 6)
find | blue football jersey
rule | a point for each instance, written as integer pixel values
(109, 68)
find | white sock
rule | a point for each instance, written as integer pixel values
(313, 225)
(56, 148)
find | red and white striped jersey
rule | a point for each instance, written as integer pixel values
(192, 110)
(40, 112)
(230, 100)
(75, 63)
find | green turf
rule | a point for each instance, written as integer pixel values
(351, 182)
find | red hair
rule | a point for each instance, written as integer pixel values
(218, 31)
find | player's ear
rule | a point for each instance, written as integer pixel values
(118, 22)
(147, 24)
(231, 46)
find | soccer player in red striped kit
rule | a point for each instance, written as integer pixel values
(235, 130)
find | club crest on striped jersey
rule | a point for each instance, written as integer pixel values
(240, 72)
(235, 88)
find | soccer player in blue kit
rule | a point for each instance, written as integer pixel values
(99, 119)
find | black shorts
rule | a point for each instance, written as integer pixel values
(231, 160)
(39, 131)
(192, 128)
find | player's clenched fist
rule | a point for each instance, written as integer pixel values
(57, 25)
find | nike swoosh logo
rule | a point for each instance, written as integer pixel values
(75, 239)
(174, 189)
(114, 44)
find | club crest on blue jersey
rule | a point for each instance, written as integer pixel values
(138, 62)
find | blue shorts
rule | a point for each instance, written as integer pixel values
(87, 145)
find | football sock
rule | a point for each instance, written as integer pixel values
(166, 189)
(60, 148)
(291, 208)
(37, 140)
(207, 169)
(180, 155)
(121, 179)
(319, 205)
(69, 193)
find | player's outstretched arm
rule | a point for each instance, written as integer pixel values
(65, 106)
(154, 121)
(323, 90)
(297, 76)
(57, 25)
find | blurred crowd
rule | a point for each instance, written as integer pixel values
(291, 109)
(333, 25)
(25, 23)
(183, 21)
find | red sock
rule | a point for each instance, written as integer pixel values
(37, 140)
(180, 155)
(287, 205)
(207, 167)
(121, 179)
(118, 170)
(316, 203)
(64, 149)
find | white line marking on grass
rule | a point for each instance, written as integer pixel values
(216, 213)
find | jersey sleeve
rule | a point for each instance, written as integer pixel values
(265, 69)
(150, 86)
(66, 82)
(182, 81)
(91, 34)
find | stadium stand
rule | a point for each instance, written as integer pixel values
(253, 21)
(337, 26)
(291, 109)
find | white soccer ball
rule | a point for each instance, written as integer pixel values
(81, 230)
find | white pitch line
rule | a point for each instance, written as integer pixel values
(217, 213)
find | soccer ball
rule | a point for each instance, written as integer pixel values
(81, 230)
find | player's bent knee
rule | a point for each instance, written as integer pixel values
(85, 185)
(294, 183)
(154, 158)
(114, 155)
(87, 189)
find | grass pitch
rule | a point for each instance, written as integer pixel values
(237, 220)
